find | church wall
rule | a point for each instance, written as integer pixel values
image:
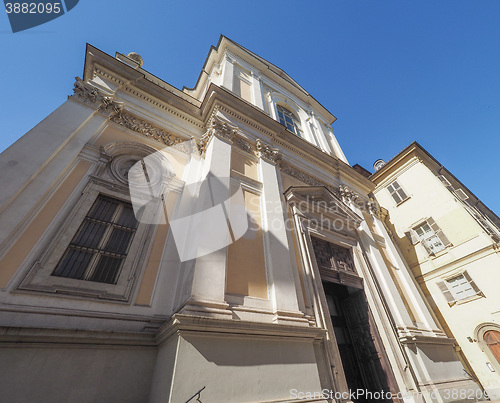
(15, 256)
(242, 369)
(75, 373)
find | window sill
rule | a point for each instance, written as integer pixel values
(468, 299)
(401, 202)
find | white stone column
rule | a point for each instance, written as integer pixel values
(283, 291)
(208, 271)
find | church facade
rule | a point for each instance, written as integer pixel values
(208, 244)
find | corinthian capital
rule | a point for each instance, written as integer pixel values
(265, 151)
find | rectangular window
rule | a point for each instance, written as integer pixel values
(429, 238)
(429, 235)
(100, 246)
(397, 193)
(459, 288)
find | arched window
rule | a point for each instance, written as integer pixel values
(492, 339)
(289, 120)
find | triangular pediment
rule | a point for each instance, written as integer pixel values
(320, 203)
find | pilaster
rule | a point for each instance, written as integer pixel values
(281, 280)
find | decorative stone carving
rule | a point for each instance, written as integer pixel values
(332, 257)
(147, 129)
(300, 175)
(265, 151)
(217, 127)
(93, 97)
(243, 144)
(373, 207)
(347, 195)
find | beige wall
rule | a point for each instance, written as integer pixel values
(31, 235)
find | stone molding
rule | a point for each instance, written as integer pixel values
(105, 104)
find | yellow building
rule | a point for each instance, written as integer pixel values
(450, 241)
(209, 244)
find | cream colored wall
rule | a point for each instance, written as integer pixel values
(12, 260)
(471, 250)
(464, 317)
(429, 198)
(246, 264)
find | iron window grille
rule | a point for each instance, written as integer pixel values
(100, 246)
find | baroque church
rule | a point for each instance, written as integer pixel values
(212, 244)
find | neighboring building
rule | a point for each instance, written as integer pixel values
(450, 241)
(102, 301)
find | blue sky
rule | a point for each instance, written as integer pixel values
(391, 71)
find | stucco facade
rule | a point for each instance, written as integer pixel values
(312, 301)
(459, 273)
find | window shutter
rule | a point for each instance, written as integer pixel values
(472, 283)
(446, 292)
(444, 239)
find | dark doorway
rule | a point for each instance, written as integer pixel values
(358, 343)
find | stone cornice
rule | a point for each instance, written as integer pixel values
(36, 336)
(196, 324)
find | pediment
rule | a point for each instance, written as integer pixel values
(320, 203)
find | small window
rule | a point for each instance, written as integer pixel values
(397, 193)
(430, 236)
(459, 288)
(100, 245)
(289, 120)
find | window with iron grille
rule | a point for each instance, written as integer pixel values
(100, 246)
(397, 193)
(289, 120)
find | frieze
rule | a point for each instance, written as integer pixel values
(146, 129)
(300, 175)
(244, 145)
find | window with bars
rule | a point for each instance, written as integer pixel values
(289, 120)
(100, 246)
(458, 288)
(397, 193)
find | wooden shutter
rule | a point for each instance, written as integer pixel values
(446, 292)
(472, 283)
(444, 239)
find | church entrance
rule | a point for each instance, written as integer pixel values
(357, 344)
(363, 357)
